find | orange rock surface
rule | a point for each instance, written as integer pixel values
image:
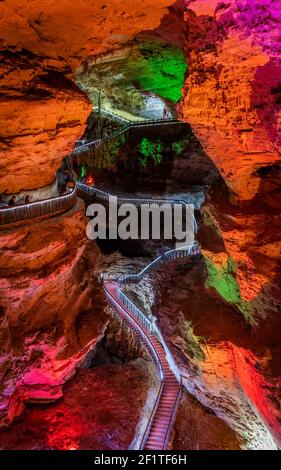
(43, 113)
(232, 92)
(51, 308)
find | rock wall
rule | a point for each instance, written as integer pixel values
(51, 308)
(94, 412)
(43, 113)
(231, 98)
(232, 92)
(51, 304)
(229, 367)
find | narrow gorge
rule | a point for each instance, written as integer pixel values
(119, 344)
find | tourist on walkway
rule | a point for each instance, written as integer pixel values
(90, 181)
(27, 199)
(2, 203)
(70, 185)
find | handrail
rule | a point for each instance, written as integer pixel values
(147, 325)
(105, 196)
(173, 416)
(150, 325)
(139, 119)
(175, 253)
(99, 142)
(38, 208)
(155, 358)
(154, 352)
(128, 125)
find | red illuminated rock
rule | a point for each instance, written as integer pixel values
(51, 308)
(95, 412)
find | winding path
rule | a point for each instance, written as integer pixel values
(126, 125)
(161, 421)
(162, 417)
(12, 214)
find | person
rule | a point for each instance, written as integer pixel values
(62, 189)
(27, 199)
(66, 177)
(12, 201)
(2, 203)
(70, 185)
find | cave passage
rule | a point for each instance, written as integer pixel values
(157, 340)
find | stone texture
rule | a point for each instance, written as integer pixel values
(41, 118)
(95, 412)
(51, 308)
(43, 113)
(192, 417)
(51, 302)
(223, 319)
(227, 365)
(232, 92)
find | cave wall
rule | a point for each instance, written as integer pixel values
(232, 92)
(51, 303)
(231, 98)
(42, 112)
(51, 308)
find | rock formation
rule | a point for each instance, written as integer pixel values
(51, 313)
(232, 92)
(43, 112)
(50, 308)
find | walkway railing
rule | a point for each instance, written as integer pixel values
(159, 427)
(38, 209)
(104, 196)
(171, 255)
(126, 126)
(160, 423)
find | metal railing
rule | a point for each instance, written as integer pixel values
(128, 125)
(150, 324)
(155, 357)
(98, 142)
(139, 119)
(119, 308)
(104, 196)
(171, 255)
(145, 324)
(126, 307)
(13, 214)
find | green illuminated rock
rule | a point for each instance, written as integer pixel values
(222, 279)
(162, 71)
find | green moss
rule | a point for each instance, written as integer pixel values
(162, 70)
(178, 147)
(192, 342)
(150, 150)
(222, 279)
